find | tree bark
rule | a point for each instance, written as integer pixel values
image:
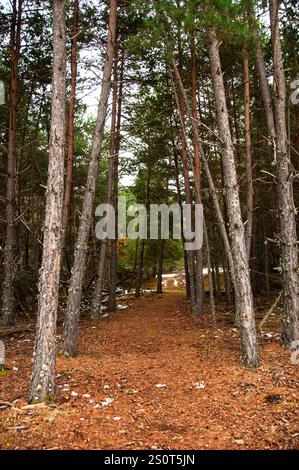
(266, 264)
(139, 268)
(217, 276)
(197, 175)
(69, 344)
(70, 126)
(43, 370)
(141, 245)
(113, 261)
(286, 207)
(212, 189)
(248, 149)
(264, 86)
(160, 268)
(186, 160)
(177, 182)
(227, 281)
(9, 258)
(211, 287)
(99, 285)
(244, 299)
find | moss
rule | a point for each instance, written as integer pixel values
(3, 371)
(49, 399)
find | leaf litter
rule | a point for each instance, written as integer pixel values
(172, 385)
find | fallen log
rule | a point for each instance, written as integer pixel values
(12, 330)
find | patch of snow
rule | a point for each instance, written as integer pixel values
(107, 401)
(199, 385)
(160, 385)
(104, 403)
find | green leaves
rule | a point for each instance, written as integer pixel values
(228, 18)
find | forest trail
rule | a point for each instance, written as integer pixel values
(154, 377)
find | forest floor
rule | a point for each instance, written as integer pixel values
(152, 376)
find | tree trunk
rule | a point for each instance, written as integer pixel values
(99, 284)
(133, 277)
(211, 288)
(139, 268)
(69, 345)
(217, 276)
(160, 268)
(141, 245)
(266, 263)
(177, 182)
(197, 175)
(113, 261)
(248, 146)
(70, 128)
(98, 291)
(244, 300)
(264, 86)
(212, 189)
(9, 258)
(286, 207)
(227, 281)
(186, 160)
(43, 370)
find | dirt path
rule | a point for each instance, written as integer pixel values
(152, 376)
